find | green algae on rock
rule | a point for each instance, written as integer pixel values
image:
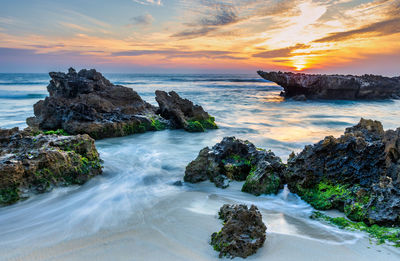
(201, 125)
(381, 234)
(262, 180)
(31, 164)
(85, 102)
(235, 159)
(357, 173)
(183, 113)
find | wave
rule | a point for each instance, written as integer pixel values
(215, 80)
(129, 82)
(161, 80)
(22, 96)
(23, 83)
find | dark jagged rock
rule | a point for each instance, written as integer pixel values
(348, 87)
(86, 102)
(235, 159)
(243, 232)
(35, 163)
(183, 113)
(357, 173)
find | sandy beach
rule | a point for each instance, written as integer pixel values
(179, 228)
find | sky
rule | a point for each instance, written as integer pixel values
(201, 36)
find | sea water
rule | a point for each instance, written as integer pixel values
(140, 170)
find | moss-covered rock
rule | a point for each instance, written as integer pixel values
(357, 173)
(85, 102)
(32, 164)
(235, 159)
(194, 126)
(183, 113)
(263, 179)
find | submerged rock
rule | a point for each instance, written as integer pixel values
(357, 173)
(235, 159)
(33, 163)
(243, 232)
(86, 102)
(183, 113)
(348, 87)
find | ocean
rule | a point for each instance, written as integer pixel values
(136, 198)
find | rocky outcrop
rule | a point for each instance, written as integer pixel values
(235, 159)
(183, 113)
(243, 232)
(86, 102)
(357, 173)
(348, 87)
(36, 162)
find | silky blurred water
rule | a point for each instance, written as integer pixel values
(139, 170)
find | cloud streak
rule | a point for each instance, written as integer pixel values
(387, 27)
(216, 14)
(279, 53)
(174, 53)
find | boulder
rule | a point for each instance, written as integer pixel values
(88, 103)
(235, 159)
(243, 232)
(183, 113)
(348, 87)
(357, 173)
(32, 162)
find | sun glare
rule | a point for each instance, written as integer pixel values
(299, 63)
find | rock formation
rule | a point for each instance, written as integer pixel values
(358, 173)
(235, 159)
(243, 232)
(36, 162)
(347, 87)
(86, 102)
(183, 113)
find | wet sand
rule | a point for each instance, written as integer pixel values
(179, 228)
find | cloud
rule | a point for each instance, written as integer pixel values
(41, 46)
(215, 14)
(195, 32)
(283, 52)
(144, 19)
(174, 53)
(148, 2)
(212, 15)
(223, 14)
(387, 27)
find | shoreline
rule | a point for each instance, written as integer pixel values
(179, 227)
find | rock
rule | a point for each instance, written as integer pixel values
(33, 163)
(357, 173)
(264, 179)
(178, 183)
(183, 113)
(347, 87)
(88, 103)
(235, 159)
(243, 232)
(300, 97)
